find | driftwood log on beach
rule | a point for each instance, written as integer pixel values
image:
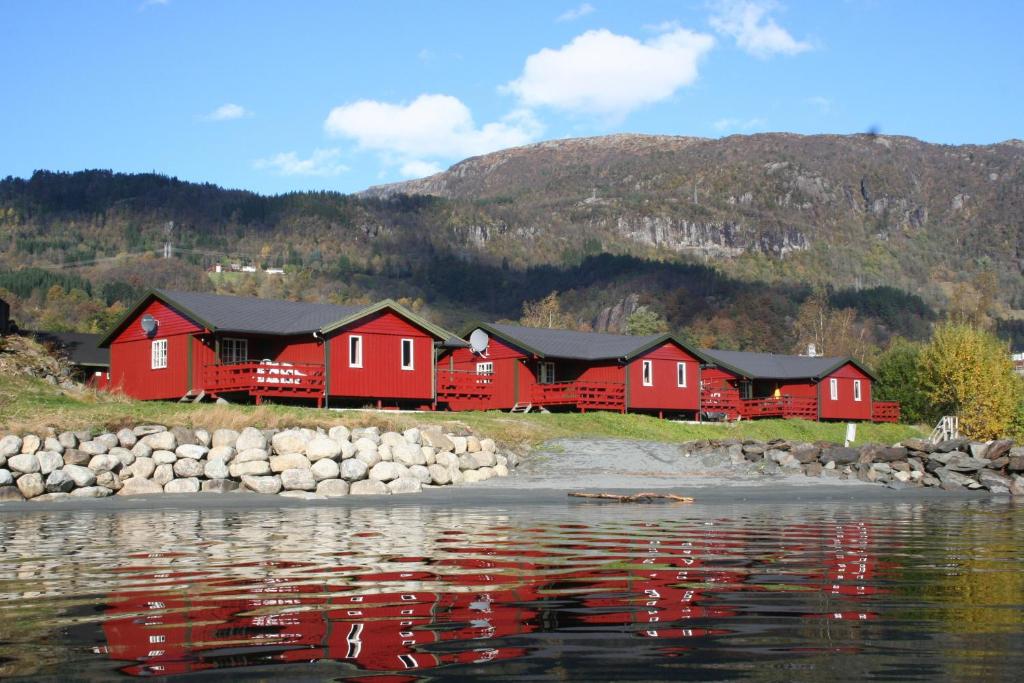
(635, 498)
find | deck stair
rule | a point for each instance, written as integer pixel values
(948, 428)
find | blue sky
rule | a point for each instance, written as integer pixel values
(338, 95)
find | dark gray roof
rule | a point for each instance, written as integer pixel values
(571, 344)
(773, 366)
(80, 348)
(259, 316)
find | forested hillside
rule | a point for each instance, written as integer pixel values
(741, 242)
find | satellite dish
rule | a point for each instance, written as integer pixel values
(478, 341)
(148, 325)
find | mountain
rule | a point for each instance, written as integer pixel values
(724, 238)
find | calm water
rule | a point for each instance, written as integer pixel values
(915, 591)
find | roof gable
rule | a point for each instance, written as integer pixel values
(753, 365)
(574, 345)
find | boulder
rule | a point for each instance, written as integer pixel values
(412, 435)
(435, 438)
(1015, 463)
(73, 456)
(254, 468)
(23, 463)
(447, 459)
(142, 450)
(10, 494)
(146, 430)
(339, 433)
(216, 469)
(371, 433)
(301, 495)
(104, 463)
(10, 445)
(92, 492)
(52, 444)
(190, 450)
(109, 480)
(323, 447)
(839, 455)
(977, 450)
(363, 444)
(467, 462)
(93, 447)
(229, 437)
(60, 495)
(109, 440)
(6, 478)
(460, 444)
(162, 474)
(290, 441)
(368, 458)
(813, 469)
(353, 469)
(30, 443)
(998, 449)
(385, 471)
(59, 481)
(366, 487)
(126, 438)
(187, 468)
(384, 451)
(325, 468)
(161, 441)
(298, 479)
(184, 436)
(347, 450)
(223, 453)
(392, 439)
(472, 476)
(951, 445)
(484, 458)
(266, 485)
(251, 455)
(961, 462)
(994, 482)
(502, 470)
(49, 461)
(472, 444)
(68, 439)
(488, 445)
(81, 476)
(125, 456)
(142, 468)
(289, 461)
(1016, 485)
(332, 488)
(219, 486)
(405, 485)
(250, 437)
(31, 485)
(186, 485)
(408, 454)
(420, 472)
(164, 457)
(439, 474)
(203, 438)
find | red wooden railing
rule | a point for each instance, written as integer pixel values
(885, 411)
(464, 384)
(786, 406)
(261, 379)
(583, 394)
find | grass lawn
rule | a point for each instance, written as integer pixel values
(28, 405)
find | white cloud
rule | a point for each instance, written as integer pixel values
(323, 162)
(607, 74)
(755, 32)
(576, 12)
(228, 112)
(419, 169)
(429, 127)
(730, 124)
(823, 104)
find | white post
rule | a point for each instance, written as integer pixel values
(851, 433)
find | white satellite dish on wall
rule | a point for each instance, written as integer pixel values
(478, 341)
(148, 323)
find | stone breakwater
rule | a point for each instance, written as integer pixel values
(300, 463)
(956, 464)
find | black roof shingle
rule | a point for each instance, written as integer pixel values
(80, 348)
(259, 316)
(571, 344)
(776, 366)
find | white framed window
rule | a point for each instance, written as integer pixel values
(158, 354)
(547, 373)
(355, 351)
(856, 390)
(833, 389)
(648, 373)
(485, 369)
(680, 374)
(407, 354)
(234, 350)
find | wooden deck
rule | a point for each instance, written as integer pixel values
(266, 380)
(581, 394)
(785, 407)
(464, 385)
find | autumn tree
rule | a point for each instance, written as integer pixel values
(833, 332)
(546, 313)
(644, 321)
(967, 372)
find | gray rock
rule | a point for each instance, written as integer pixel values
(219, 486)
(435, 438)
(485, 458)
(161, 441)
(488, 445)
(405, 485)
(83, 435)
(298, 479)
(184, 436)
(91, 492)
(473, 476)
(385, 471)
(187, 485)
(30, 443)
(340, 433)
(977, 450)
(1015, 463)
(384, 451)
(251, 455)
(249, 468)
(23, 463)
(47, 497)
(93, 447)
(367, 487)
(142, 468)
(10, 494)
(323, 447)
(203, 438)
(955, 479)
(223, 453)
(421, 473)
(368, 458)
(472, 444)
(229, 437)
(502, 470)
(347, 450)
(1017, 485)
(73, 456)
(289, 461)
(920, 445)
(53, 444)
(104, 463)
(964, 463)
(31, 485)
(412, 436)
(81, 476)
(109, 480)
(466, 462)
(125, 456)
(459, 443)
(164, 457)
(162, 474)
(447, 459)
(325, 468)
(805, 453)
(951, 445)
(109, 440)
(10, 445)
(142, 450)
(193, 451)
(332, 488)
(408, 454)
(267, 485)
(68, 439)
(363, 444)
(439, 474)
(216, 469)
(839, 455)
(250, 437)
(371, 433)
(998, 449)
(188, 468)
(813, 469)
(6, 478)
(145, 430)
(392, 439)
(301, 495)
(994, 482)
(49, 461)
(59, 481)
(353, 469)
(290, 441)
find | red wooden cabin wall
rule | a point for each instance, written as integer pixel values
(664, 394)
(844, 407)
(508, 363)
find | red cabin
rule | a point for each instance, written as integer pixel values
(746, 385)
(510, 367)
(185, 344)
